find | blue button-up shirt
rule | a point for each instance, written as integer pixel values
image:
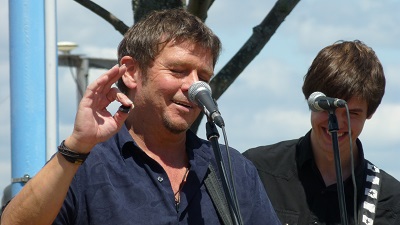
(119, 184)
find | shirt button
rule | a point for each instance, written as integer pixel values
(160, 179)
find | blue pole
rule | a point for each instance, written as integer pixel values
(27, 87)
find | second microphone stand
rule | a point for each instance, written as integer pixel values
(333, 129)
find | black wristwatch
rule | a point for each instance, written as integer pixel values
(71, 156)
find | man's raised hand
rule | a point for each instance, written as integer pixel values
(93, 122)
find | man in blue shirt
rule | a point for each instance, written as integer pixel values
(145, 166)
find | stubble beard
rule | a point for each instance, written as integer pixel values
(174, 127)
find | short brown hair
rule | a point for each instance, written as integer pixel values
(347, 69)
(144, 40)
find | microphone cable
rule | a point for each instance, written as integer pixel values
(233, 189)
(352, 167)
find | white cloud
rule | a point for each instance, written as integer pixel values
(392, 72)
(373, 22)
(271, 76)
(380, 138)
(384, 126)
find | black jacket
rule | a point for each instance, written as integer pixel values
(299, 195)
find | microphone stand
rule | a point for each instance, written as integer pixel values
(212, 136)
(333, 129)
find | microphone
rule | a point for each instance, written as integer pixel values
(319, 102)
(200, 94)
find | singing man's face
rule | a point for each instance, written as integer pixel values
(165, 90)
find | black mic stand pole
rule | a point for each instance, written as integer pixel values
(333, 129)
(212, 136)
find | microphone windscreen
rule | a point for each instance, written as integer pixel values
(311, 100)
(196, 87)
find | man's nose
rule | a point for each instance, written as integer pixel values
(190, 79)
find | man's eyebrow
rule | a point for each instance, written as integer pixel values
(183, 63)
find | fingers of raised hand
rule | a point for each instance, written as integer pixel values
(114, 77)
(105, 81)
(114, 94)
(126, 105)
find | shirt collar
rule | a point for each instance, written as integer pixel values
(126, 143)
(198, 151)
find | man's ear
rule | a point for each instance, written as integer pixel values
(131, 75)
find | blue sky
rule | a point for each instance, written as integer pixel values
(265, 104)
